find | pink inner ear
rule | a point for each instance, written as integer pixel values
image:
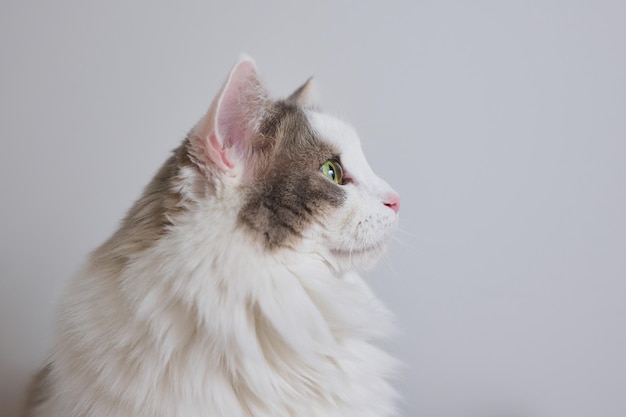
(230, 118)
(218, 153)
(237, 107)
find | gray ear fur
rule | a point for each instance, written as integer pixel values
(304, 95)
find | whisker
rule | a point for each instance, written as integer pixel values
(351, 250)
(385, 257)
(409, 234)
(404, 244)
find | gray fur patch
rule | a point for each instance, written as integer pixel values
(149, 217)
(288, 193)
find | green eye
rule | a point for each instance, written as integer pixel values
(332, 170)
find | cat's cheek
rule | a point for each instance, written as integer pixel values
(347, 219)
(354, 228)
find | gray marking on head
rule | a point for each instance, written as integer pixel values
(288, 193)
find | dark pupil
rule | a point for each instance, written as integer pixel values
(331, 172)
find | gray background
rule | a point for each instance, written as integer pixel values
(501, 124)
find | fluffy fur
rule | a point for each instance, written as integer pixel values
(229, 289)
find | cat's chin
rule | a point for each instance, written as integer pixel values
(363, 259)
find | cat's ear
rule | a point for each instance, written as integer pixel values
(223, 136)
(305, 95)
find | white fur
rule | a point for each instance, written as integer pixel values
(208, 322)
(364, 224)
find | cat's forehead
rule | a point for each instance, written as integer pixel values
(334, 131)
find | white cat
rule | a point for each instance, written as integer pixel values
(228, 290)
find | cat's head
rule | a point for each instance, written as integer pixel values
(299, 176)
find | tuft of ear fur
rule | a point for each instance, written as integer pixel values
(223, 137)
(305, 95)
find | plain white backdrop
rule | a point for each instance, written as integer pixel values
(501, 124)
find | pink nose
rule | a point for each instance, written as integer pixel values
(392, 201)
